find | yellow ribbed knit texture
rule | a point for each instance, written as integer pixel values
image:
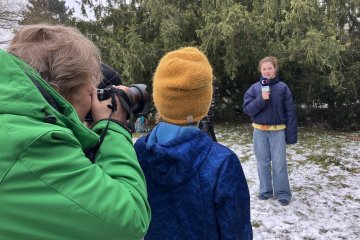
(182, 86)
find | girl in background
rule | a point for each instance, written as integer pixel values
(270, 105)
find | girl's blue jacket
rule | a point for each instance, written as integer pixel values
(279, 109)
(196, 187)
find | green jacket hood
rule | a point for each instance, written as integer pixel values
(20, 96)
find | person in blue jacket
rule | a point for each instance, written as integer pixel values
(270, 104)
(196, 187)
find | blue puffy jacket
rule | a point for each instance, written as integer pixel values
(279, 109)
(196, 187)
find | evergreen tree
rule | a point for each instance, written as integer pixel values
(46, 11)
(315, 41)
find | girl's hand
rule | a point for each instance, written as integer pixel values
(265, 95)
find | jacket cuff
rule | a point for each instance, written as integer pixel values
(113, 125)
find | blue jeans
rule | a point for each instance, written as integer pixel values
(270, 153)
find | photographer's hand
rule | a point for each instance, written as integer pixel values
(100, 109)
(121, 115)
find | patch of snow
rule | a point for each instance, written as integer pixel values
(326, 199)
(326, 194)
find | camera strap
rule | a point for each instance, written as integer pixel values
(45, 94)
(124, 100)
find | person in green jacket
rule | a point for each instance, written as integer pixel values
(49, 188)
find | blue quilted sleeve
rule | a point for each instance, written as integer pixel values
(253, 103)
(233, 201)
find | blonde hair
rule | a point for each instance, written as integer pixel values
(273, 60)
(63, 56)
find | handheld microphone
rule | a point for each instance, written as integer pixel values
(265, 84)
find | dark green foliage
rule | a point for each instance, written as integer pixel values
(46, 11)
(317, 43)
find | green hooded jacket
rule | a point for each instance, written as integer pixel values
(48, 187)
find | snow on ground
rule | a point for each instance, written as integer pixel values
(324, 172)
(324, 169)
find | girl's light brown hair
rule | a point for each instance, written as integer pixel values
(270, 59)
(64, 57)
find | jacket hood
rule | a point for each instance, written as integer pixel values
(174, 154)
(20, 96)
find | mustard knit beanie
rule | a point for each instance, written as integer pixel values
(182, 86)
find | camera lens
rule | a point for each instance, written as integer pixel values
(136, 100)
(139, 98)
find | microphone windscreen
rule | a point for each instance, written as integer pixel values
(264, 81)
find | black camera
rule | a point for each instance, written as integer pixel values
(135, 101)
(138, 99)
